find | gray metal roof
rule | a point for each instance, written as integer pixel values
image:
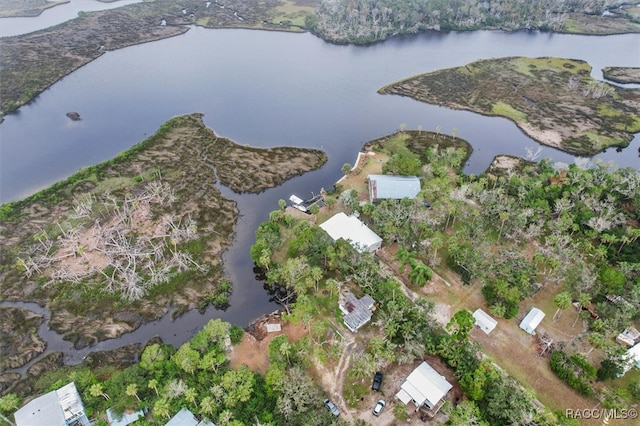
(394, 187)
(185, 417)
(357, 311)
(61, 407)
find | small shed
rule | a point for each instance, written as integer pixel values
(392, 187)
(351, 229)
(629, 337)
(484, 321)
(532, 320)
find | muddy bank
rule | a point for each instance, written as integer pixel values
(161, 203)
(553, 100)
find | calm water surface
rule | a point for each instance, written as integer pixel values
(267, 89)
(55, 15)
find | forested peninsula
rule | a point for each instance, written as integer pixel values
(562, 238)
(555, 101)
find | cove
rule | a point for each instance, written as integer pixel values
(268, 89)
(55, 15)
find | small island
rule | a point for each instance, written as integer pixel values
(622, 75)
(118, 244)
(553, 100)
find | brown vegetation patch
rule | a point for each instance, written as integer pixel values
(20, 340)
(183, 158)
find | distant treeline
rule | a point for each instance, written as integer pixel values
(364, 21)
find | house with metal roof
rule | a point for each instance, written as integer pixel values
(351, 229)
(123, 419)
(62, 407)
(392, 187)
(185, 417)
(532, 320)
(357, 312)
(484, 321)
(424, 387)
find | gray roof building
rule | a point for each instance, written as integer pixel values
(394, 187)
(62, 407)
(185, 417)
(357, 312)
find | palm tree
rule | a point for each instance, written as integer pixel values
(583, 300)
(562, 301)
(153, 384)
(420, 273)
(132, 390)
(190, 395)
(96, 390)
(207, 405)
(161, 408)
(404, 256)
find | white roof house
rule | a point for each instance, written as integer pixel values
(62, 407)
(532, 320)
(350, 229)
(357, 312)
(633, 358)
(484, 321)
(393, 187)
(424, 386)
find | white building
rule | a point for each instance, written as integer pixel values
(424, 386)
(62, 407)
(532, 320)
(350, 229)
(633, 358)
(484, 321)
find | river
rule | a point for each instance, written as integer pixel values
(267, 89)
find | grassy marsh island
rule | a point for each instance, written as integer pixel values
(622, 75)
(116, 244)
(553, 100)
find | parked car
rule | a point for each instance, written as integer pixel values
(378, 408)
(333, 409)
(377, 381)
